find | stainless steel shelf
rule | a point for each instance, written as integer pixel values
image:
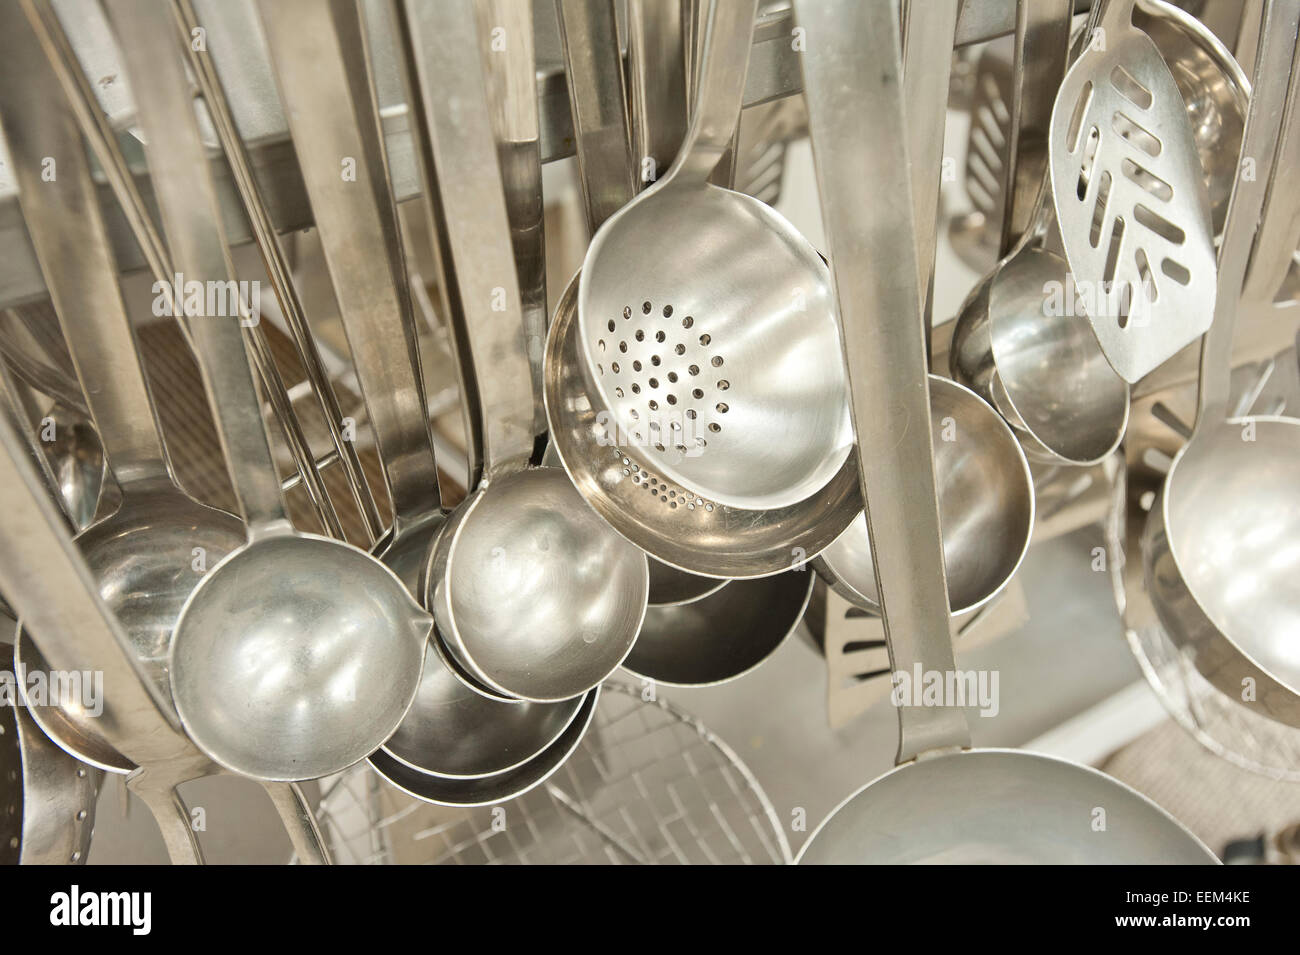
(234, 39)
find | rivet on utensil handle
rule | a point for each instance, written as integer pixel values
(853, 83)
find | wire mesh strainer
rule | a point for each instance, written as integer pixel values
(648, 785)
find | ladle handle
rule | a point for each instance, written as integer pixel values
(299, 822)
(157, 789)
(510, 69)
(319, 54)
(192, 220)
(465, 182)
(593, 67)
(1268, 120)
(67, 230)
(45, 578)
(925, 85)
(657, 67)
(728, 35)
(1038, 66)
(859, 133)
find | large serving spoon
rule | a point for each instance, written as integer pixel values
(1219, 543)
(943, 801)
(318, 52)
(297, 655)
(535, 597)
(52, 589)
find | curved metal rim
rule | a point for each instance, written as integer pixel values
(776, 644)
(55, 730)
(716, 584)
(1185, 584)
(1042, 757)
(863, 602)
(440, 571)
(210, 575)
(508, 785)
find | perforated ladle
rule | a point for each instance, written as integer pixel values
(705, 322)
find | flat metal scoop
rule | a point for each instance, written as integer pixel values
(1130, 197)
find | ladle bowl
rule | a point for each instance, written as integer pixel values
(1020, 344)
(708, 332)
(531, 593)
(457, 733)
(666, 520)
(296, 657)
(497, 788)
(986, 507)
(1000, 807)
(723, 636)
(1222, 560)
(670, 586)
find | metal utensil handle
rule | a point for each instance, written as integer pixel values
(279, 271)
(45, 578)
(853, 84)
(1279, 224)
(925, 86)
(1267, 120)
(593, 66)
(1038, 66)
(728, 32)
(67, 230)
(192, 220)
(102, 139)
(657, 64)
(510, 68)
(318, 51)
(156, 788)
(446, 46)
(299, 822)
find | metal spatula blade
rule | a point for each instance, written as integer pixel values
(1131, 200)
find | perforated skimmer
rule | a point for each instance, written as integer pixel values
(705, 320)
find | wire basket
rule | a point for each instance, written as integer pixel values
(648, 785)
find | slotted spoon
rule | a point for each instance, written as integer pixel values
(1130, 196)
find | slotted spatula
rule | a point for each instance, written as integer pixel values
(1130, 197)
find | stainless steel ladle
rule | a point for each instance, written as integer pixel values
(704, 318)
(297, 655)
(1219, 543)
(535, 596)
(943, 801)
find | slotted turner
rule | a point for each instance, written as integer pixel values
(1130, 197)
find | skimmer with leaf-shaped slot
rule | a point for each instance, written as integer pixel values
(1130, 197)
